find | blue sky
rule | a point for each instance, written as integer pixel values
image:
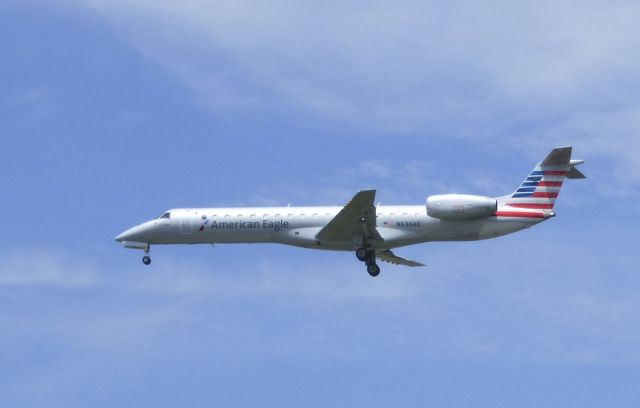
(113, 111)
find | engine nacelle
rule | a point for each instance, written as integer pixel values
(460, 206)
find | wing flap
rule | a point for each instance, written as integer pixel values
(388, 256)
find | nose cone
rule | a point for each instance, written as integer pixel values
(126, 236)
(122, 237)
(139, 233)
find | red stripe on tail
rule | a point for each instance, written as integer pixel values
(531, 205)
(540, 194)
(518, 214)
(550, 184)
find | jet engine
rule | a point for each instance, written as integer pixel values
(460, 206)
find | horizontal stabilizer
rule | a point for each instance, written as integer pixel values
(574, 173)
(388, 256)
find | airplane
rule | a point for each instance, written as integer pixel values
(371, 231)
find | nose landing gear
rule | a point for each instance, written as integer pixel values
(146, 259)
(368, 256)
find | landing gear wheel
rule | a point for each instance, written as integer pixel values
(361, 254)
(373, 270)
(370, 259)
(146, 260)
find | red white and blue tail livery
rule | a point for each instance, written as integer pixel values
(537, 194)
(370, 231)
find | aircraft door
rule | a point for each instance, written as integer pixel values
(186, 226)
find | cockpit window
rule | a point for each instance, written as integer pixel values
(166, 215)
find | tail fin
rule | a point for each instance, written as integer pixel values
(541, 188)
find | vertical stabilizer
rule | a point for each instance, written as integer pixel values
(542, 186)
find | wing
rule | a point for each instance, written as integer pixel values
(358, 217)
(388, 256)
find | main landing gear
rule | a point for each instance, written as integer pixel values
(373, 269)
(368, 256)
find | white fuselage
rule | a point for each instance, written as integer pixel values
(299, 226)
(369, 230)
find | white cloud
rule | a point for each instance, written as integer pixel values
(532, 72)
(408, 182)
(46, 268)
(450, 308)
(382, 60)
(35, 97)
(614, 134)
(329, 282)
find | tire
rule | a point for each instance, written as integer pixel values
(146, 260)
(373, 270)
(361, 254)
